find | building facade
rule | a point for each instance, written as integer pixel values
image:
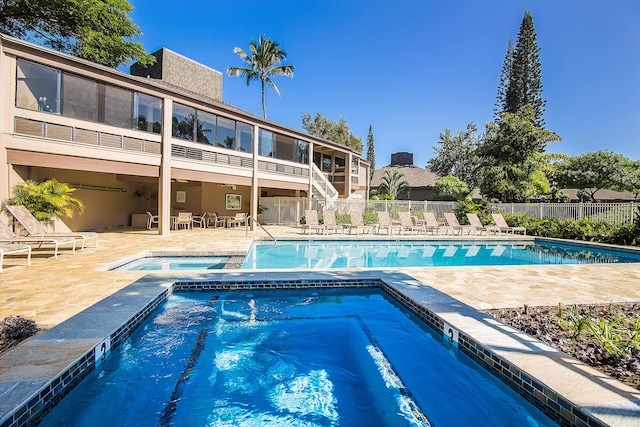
(136, 143)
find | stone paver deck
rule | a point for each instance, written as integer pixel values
(51, 291)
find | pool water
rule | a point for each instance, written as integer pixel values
(383, 254)
(175, 263)
(289, 358)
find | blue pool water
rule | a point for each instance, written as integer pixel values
(383, 254)
(264, 358)
(175, 263)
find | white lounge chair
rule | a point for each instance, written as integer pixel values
(357, 223)
(311, 222)
(13, 249)
(8, 236)
(431, 224)
(408, 225)
(384, 223)
(330, 222)
(501, 223)
(475, 222)
(452, 221)
(35, 228)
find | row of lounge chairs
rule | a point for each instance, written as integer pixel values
(406, 224)
(37, 236)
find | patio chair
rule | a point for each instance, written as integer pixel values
(475, 222)
(501, 223)
(215, 220)
(311, 221)
(201, 220)
(329, 219)
(241, 218)
(152, 219)
(384, 223)
(357, 223)
(8, 236)
(452, 221)
(408, 224)
(431, 224)
(184, 220)
(13, 249)
(35, 228)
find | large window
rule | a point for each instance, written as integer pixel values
(79, 97)
(147, 112)
(285, 148)
(226, 133)
(244, 137)
(38, 87)
(303, 152)
(206, 127)
(47, 89)
(182, 121)
(115, 106)
(265, 143)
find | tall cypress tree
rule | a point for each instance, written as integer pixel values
(505, 79)
(525, 80)
(371, 153)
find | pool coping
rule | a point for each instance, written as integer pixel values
(47, 366)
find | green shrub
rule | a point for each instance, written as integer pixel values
(478, 207)
(586, 229)
(370, 218)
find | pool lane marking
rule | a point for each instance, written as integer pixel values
(170, 406)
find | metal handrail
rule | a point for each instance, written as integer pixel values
(275, 242)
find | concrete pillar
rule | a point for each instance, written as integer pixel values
(164, 181)
(254, 179)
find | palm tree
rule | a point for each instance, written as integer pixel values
(262, 64)
(46, 199)
(393, 184)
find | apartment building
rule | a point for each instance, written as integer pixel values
(162, 140)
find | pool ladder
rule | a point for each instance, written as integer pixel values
(246, 230)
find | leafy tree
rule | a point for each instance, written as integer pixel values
(262, 64)
(508, 154)
(328, 129)
(505, 79)
(525, 78)
(456, 155)
(594, 171)
(100, 31)
(393, 184)
(451, 186)
(46, 199)
(371, 153)
(632, 178)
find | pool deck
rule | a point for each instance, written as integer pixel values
(51, 291)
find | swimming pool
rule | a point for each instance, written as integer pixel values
(327, 357)
(154, 263)
(385, 254)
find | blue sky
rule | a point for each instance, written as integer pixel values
(411, 68)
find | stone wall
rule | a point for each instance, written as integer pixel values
(182, 72)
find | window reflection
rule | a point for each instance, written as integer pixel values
(326, 163)
(182, 121)
(225, 136)
(147, 113)
(206, 127)
(43, 88)
(244, 137)
(38, 87)
(303, 152)
(265, 143)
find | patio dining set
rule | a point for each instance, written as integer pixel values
(187, 220)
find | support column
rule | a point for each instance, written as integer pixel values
(254, 179)
(347, 178)
(164, 180)
(310, 191)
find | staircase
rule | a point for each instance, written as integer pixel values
(322, 188)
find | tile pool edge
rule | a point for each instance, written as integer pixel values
(28, 395)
